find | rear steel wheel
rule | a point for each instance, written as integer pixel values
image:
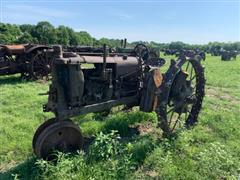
(184, 91)
(63, 136)
(41, 65)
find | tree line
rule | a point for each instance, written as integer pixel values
(45, 33)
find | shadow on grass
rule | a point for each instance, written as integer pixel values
(125, 123)
(12, 79)
(25, 170)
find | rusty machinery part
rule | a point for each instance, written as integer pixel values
(141, 51)
(4, 56)
(9, 65)
(40, 129)
(63, 136)
(41, 63)
(128, 82)
(13, 49)
(181, 95)
(155, 62)
(228, 55)
(152, 81)
(152, 54)
(24, 59)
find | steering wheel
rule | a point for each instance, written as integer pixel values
(141, 51)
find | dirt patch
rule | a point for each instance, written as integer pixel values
(148, 128)
(5, 167)
(42, 81)
(152, 174)
(221, 94)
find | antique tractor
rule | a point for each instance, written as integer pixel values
(29, 60)
(228, 55)
(97, 81)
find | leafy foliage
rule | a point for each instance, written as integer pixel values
(46, 33)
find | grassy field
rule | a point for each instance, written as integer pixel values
(209, 151)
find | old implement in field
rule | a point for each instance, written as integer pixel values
(129, 78)
(228, 55)
(31, 61)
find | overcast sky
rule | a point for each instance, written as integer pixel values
(190, 21)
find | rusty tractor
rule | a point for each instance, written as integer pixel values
(228, 55)
(31, 61)
(127, 77)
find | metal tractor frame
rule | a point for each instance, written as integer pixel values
(128, 77)
(31, 61)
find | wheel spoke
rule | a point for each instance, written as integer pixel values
(175, 123)
(187, 66)
(182, 107)
(169, 123)
(170, 110)
(194, 87)
(186, 115)
(191, 73)
(193, 77)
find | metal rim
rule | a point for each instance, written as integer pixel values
(174, 115)
(40, 129)
(63, 136)
(41, 65)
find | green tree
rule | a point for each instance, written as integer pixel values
(25, 38)
(177, 45)
(62, 35)
(84, 38)
(73, 39)
(45, 33)
(9, 33)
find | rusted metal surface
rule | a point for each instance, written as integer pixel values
(228, 55)
(158, 78)
(29, 60)
(63, 136)
(129, 77)
(14, 49)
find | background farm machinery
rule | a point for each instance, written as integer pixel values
(228, 55)
(31, 61)
(186, 53)
(35, 61)
(95, 81)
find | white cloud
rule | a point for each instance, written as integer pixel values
(120, 15)
(124, 16)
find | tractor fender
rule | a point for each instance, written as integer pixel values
(152, 81)
(37, 47)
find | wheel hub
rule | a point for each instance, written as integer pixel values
(63, 136)
(181, 93)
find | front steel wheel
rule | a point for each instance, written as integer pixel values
(52, 136)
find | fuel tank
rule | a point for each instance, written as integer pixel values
(124, 64)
